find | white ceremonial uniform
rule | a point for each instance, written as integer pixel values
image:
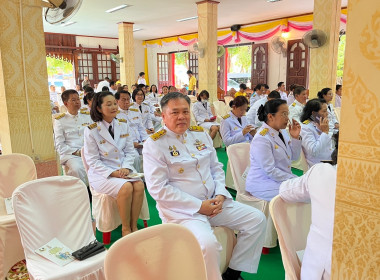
(252, 112)
(232, 131)
(332, 118)
(202, 111)
(153, 98)
(317, 185)
(295, 110)
(271, 161)
(254, 97)
(291, 98)
(105, 155)
(284, 96)
(316, 145)
(53, 96)
(141, 81)
(156, 120)
(134, 121)
(338, 101)
(68, 137)
(183, 170)
(145, 114)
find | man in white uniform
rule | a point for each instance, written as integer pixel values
(295, 109)
(186, 179)
(252, 112)
(68, 134)
(281, 89)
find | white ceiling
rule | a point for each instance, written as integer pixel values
(158, 18)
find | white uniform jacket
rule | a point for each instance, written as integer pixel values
(232, 131)
(316, 145)
(181, 171)
(290, 98)
(68, 133)
(317, 185)
(105, 154)
(284, 96)
(254, 97)
(133, 118)
(202, 113)
(338, 101)
(252, 112)
(332, 118)
(271, 161)
(153, 98)
(146, 118)
(295, 111)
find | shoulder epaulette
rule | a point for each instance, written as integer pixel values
(264, 132)
(118, 112)
(294, 104)
(196, 128)
(85, 112)
(158, 134)
(226, 116)
(133, 109)
(132, 104)
(145, 103)
(60, 116)
(122, 120)
(306, 122)
(92, 126)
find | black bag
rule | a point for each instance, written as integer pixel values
(89, 250)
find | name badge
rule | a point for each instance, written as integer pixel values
(124, 135)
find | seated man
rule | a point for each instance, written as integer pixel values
(295, 109)
(186, 179)
(68, 134)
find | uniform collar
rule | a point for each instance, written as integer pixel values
(123, 111)
(176, 135)
(271, 130)
(299, 103)
(72, 116)
(107, 125)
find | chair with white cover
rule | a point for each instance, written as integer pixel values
(106, 212)
(227, 238)
(56, 207)
(301, 163)
(167, 251)
(292, 221)
(220, 110)
(217, 141)
(15, 169)
(227, 100)
(238, 157)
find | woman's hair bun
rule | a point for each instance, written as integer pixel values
(261, 113)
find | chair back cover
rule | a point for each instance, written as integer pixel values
(53, 207)
(220, 108)
(238, 157)
(166, 251)
(15, 169)
(292, 222)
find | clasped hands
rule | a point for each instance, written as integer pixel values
(212, 207)
(121, 173)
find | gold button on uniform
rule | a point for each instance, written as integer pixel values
(192, 155)
(198, 166)
(115, 151)
(118, 165)
(203, 182)
(117, 158)
(181, 170)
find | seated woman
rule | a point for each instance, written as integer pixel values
(317, 186)
(327, 95)
(203, 115)
(87, 100)
(272, 150)
(139, 105)
(316, 139)
(109, 153)
(234, 127)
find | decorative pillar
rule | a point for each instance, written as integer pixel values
(208, 40)
(323, 60)
(127, 52)
(25, 113)
(357, 214)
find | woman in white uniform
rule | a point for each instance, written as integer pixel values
(272, 150)
(138, 97)
(327, 95)
(317, 186)
(109, 152)
(316, 139)
(203, 115)
(234, 126)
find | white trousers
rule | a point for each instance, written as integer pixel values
(250, 223)
(76, 169)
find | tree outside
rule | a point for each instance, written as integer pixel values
(60, 73)
(239, 66)
(180, 69)
(340, 63)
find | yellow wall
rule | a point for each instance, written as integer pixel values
(356, 249)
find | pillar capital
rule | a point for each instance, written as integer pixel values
(127, 52)
(125, 23)
(208, 1)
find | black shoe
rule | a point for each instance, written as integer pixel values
(231, 274)
(226, 277)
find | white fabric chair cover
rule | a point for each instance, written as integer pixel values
(227, 238)
(301, 163)
(292, 221)
(193, 98)
(217, 142)
(220, 109)
(238, 157)
(227, 100)
(56, 207)
(229, 180)
(15, 169)
(167, 251)
(104, 208)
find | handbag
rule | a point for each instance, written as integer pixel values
(89, 250)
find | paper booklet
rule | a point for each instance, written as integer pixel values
(9, 205)
(56, 252)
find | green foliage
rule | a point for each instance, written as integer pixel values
(243, 57)
(182, 58)
(340, 63)
(58, 66)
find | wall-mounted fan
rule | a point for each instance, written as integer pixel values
(59, 11)
(220, 51)
(314, 38)
(278, 45)
(197, 49)
(116, 58)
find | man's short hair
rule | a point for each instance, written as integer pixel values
(66, 94)
(243, 86)
(117, 94)
(298, 90)
(141, 74)
(189, 72)
(173, 95)
(274, 94)
(105, 88)
(112, 83)
(280, 84)
(140, 86)
(106, 78)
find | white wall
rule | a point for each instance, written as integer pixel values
(94, 42)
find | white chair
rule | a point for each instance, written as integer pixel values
(166, 251)
(15, 169)
(193, 98)
(217, 142)
(238, 156)
(301, 163)
(227, 238)
(220, 110)
(227, 100)
(106, 212)
(292, 221)
(56, 207)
